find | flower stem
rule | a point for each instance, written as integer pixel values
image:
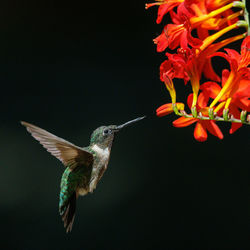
(215, 118)
(246, 17)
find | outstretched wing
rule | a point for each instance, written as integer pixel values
(69, 154)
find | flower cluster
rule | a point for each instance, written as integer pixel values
(220, 98)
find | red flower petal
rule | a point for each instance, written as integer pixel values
(177, 34)
(213, 128)
(190, 100)
(176, 17)
(243, 89)
(165, 8)
(225, 75)
(245, 52)
(164, 110)
(233, 62)
(166, 68)
(175, 67)
(202, 101)
(246, 43)
(202, 33)
(233, 109)
(243, 103)
(161, 41)
(194, 42)
(210, 89)
(183, 41)
(200, 133)
(209, 71)
(234, 127)
(233, 54)
(184, 122)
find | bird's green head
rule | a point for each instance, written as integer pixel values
(104, 135)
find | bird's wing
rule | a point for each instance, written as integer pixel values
(69, 154)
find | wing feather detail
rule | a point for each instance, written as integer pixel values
(69, 154)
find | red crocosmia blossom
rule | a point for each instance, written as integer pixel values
(168, 109)
(186, 64)
(164, 7)
(189, 64)
(239, 71)
(177, 34)
(179, 65)
(239, 100)
(173, 69)
(230, 100)
(192, 14)
(202, 126)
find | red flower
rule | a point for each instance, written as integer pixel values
(193, 58)
(193, 14)
(167, 109)
(239, 100)
(202, 126)
(174, 68)
(177, 34)
(164, 7)
(239, 71)
(189, 64)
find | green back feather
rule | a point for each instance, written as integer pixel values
(71, 180)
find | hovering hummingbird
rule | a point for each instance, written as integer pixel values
(84, 166)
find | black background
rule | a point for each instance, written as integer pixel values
(72, 66)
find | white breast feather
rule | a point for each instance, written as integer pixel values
(104, 153)
(104, 156)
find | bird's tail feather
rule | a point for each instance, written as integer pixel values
(67, 211)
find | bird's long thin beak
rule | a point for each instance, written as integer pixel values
(118, 128)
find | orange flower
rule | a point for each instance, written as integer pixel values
(189, 64)
(202, 126)
(192, 15)
(239, 70)
(239, 100)
(167, 109)
(164, 7)
(193, 58)
(177, 34)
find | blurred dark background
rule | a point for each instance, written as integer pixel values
(72, 66)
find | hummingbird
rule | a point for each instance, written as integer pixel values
(84, 166)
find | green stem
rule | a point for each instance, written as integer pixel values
(215, 118)
(246, 17)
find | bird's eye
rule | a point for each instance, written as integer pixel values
(106, 131)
